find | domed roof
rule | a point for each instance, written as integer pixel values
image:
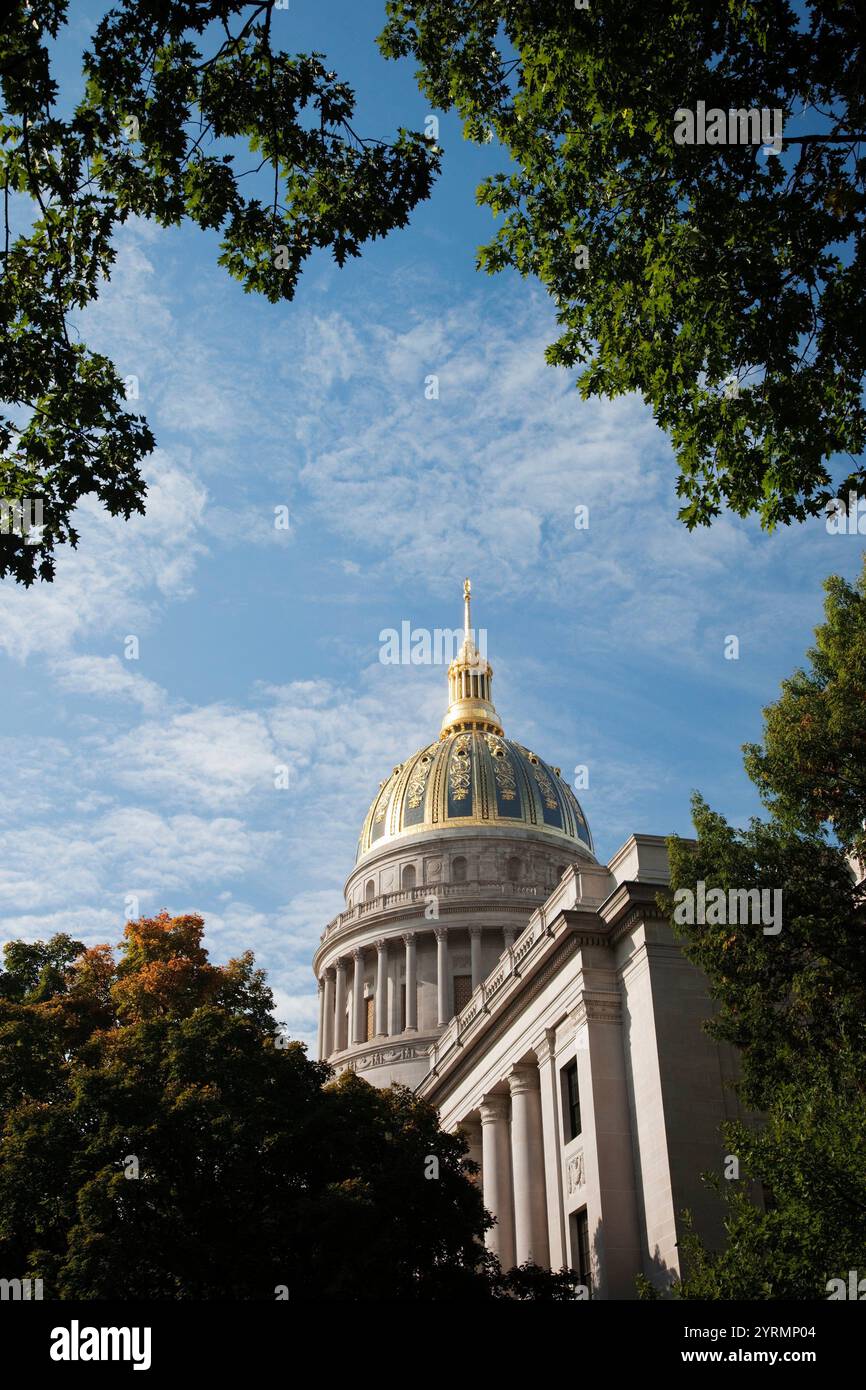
(472, 776)
(469, 779)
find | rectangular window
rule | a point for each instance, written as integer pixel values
(579, 1222)
(571, 1124)
(462, 991)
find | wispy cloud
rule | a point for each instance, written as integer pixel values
(157, 782)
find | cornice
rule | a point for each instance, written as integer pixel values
(631, 903)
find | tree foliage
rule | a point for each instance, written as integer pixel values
(808, 1162)
(726, 287)
(811, 769)
(793, 1003)
(162, 1140)
(183, 101)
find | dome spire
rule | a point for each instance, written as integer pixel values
(470, 678)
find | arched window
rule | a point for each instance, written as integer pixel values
(408, 879)
(369, 891)
(513, 869)
(458, 869)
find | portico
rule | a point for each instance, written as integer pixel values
(575, 1054)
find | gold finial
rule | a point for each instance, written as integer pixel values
(469, 678)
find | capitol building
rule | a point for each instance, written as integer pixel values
(536, 997)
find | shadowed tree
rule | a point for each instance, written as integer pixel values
(162, 1140)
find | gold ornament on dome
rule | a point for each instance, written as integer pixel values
(418, 780)
(502, 769)
(383, 805)
(545, 786)
(460, 773)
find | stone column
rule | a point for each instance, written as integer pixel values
(472, 1131)
(328, 1033)
(527, 1164)
(321, 1019)
(496, 1177)
(359, 1020)
(340, 1042)
(550, 1129)
(475, 955)
(443, 982)
(411, 983)
(381, 987)
(606, 1112)
(393, 997)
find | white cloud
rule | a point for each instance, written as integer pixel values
(166, 790)
(212, 755)
(155, 853)
(117, 578)
(108, 678)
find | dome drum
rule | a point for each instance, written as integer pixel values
(468, 861)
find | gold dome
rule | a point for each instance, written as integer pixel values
(473, 776)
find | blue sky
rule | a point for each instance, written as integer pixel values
(153, 779)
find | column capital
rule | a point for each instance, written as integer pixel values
(330, 972)
(475, 931)
(357, 953)
(341, 963)
(544, 1048)
(382, 944)
(409, 938)
(523, 1077)
(597, 1006)
(493, 1109)
(441, 933)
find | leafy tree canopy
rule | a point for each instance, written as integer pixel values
(808, 1161)
(723, 284)
(182, 103)
(811, 769)
(161, 1139)
(793, 1002)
